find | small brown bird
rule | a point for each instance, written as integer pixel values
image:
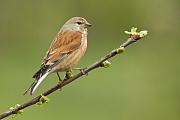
(65, 51)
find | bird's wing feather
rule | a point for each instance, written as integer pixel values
(64, 42)
(63, 45)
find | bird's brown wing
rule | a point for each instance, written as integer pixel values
(62, 46)
(64, 42)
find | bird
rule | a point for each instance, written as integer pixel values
(67, 48)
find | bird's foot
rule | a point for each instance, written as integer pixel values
(81, 70)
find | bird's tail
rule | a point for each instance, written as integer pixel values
(36, 83)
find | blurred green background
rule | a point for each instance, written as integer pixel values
(141, 84)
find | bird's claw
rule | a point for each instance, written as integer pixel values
(81, 70)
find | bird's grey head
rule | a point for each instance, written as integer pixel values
(77, 24)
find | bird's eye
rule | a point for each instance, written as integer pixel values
(79, 23)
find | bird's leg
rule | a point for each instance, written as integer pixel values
(81, 70)
(59, 76)
(59, 80)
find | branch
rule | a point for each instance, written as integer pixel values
(134, 37)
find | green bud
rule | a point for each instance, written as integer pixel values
(120, 50)
(14, 115)
(69, 74)
(133, 31)
(18, 112)
(43, 100)
(127, 32)
(39, 103)
(143, 33)
(106, 64)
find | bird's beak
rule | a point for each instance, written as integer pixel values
(87, 25)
